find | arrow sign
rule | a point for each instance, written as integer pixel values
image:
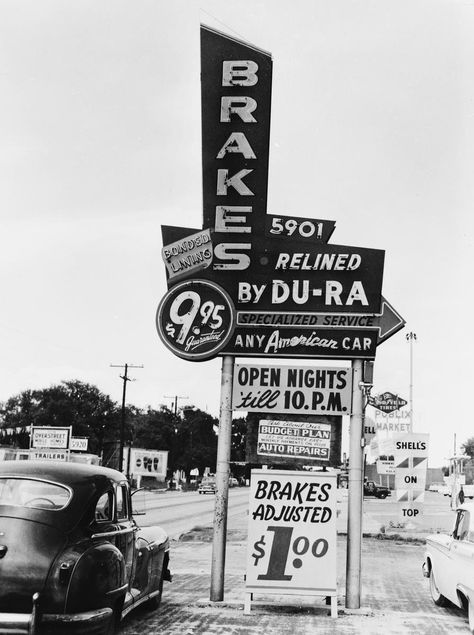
(389, 321)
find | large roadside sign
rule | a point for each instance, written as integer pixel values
(274, 276)
(269, 265)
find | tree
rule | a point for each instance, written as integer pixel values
(90, 412)
(156, 430)
(468, 447)
(196, 440)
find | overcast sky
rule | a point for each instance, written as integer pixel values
(372, 126)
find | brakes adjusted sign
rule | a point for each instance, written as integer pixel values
(292, 542)
(292, 389)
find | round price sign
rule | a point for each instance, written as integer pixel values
(195, 319)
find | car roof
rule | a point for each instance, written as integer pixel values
(59, 471)
(87, 482)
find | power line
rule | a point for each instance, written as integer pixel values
(125, 378)
(175, 398)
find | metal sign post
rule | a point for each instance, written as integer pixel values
(222, 481)
(356, 464)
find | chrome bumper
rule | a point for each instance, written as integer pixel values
(30, 624)
(17, 623)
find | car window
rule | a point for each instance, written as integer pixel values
(463, 526)
(104, 507)
(121, 496)
(24, 492)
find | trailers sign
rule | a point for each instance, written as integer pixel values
(292, 389)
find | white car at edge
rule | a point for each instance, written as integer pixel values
(449, 563)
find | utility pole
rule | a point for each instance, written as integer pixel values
(125, 378)
(360, 390)
(410, 337)
(175, 398)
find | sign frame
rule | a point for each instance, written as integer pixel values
(62, 436)
(292, 389)
(220, 326)
(269, 572)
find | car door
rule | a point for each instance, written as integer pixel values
(113, 522)
(448, 571)
(463, 552)
(126, 528)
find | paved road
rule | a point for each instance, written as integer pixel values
(395, 596)
(179, 512)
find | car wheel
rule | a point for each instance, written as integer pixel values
(436, 596)
(154, 602)
(383, 496)
(113, 625)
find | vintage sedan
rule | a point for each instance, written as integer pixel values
(72, 557)
(449, 563)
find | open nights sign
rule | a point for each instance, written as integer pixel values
(292, 389)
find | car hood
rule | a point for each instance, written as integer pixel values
(29, 549)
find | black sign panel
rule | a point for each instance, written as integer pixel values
(276, 276)
(324, 343)
(195, 319)
(311, 229)
(236, 82)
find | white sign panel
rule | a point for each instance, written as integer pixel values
(190, 254)
(292, 538)
(50, 437)
(385, 467)
(292, 389)
(49, 455)
(147, 462)
(411, 462)
(294, 439)
(397, 422)
(79, 444)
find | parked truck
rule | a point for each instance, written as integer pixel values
(373, 489)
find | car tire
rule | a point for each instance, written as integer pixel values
(437, 597)
(113, 625)
(383, 496)
(153, 603)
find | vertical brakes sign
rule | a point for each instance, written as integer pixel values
(236, 81)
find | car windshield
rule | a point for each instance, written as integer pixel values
(24, 492)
